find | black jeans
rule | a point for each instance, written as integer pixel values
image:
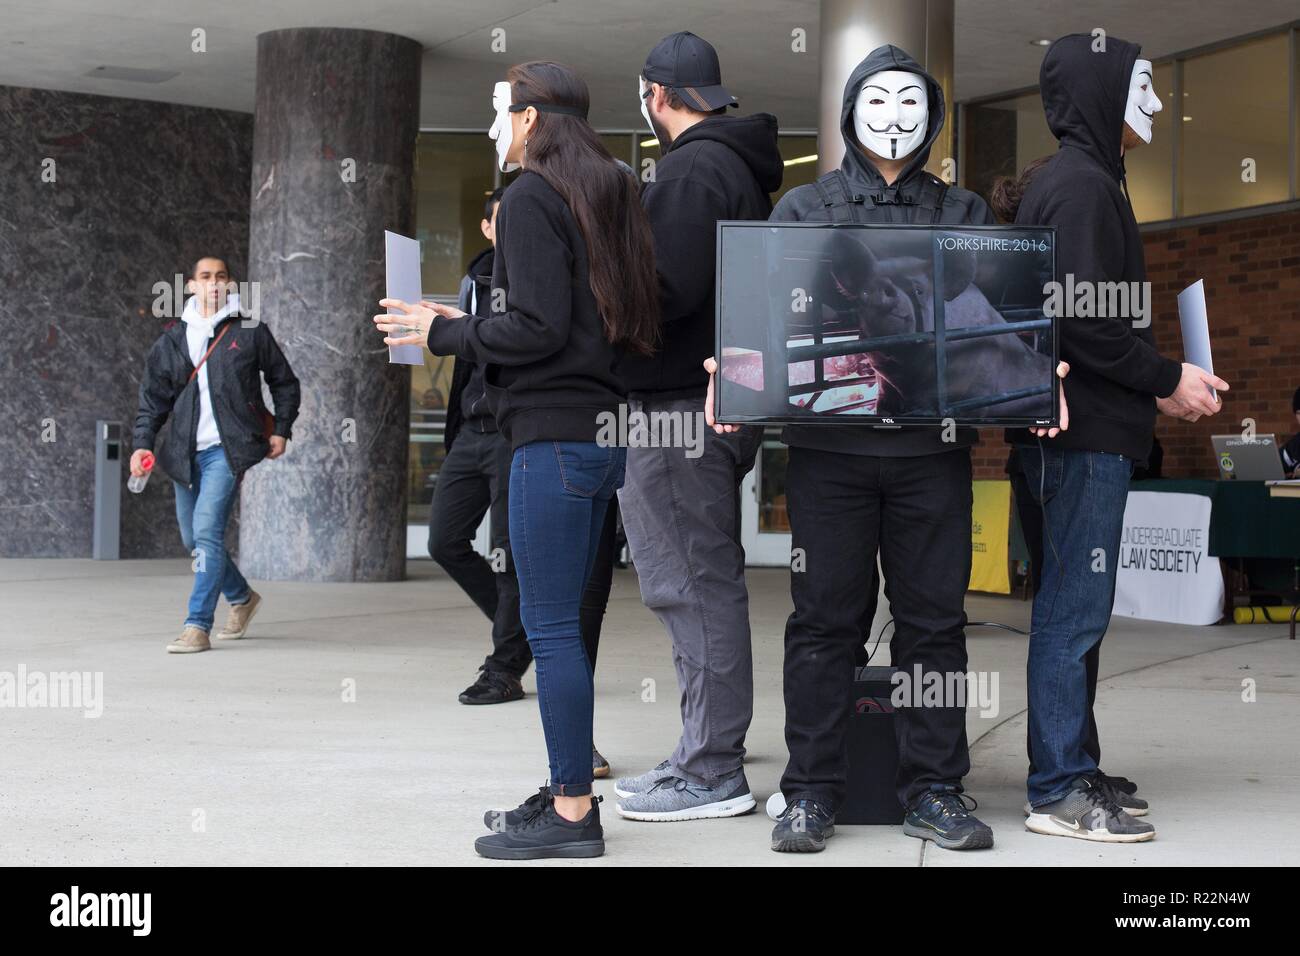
(474, 477)
(918, 512)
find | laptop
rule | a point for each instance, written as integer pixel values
(1247, 459)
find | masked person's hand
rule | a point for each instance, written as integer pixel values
(412, 323)
(1192, 398)
(711, 366)
(1062, 370)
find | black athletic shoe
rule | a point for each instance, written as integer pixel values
(498, 821)
(1122, 784)
(492, 687)
(941, 815)
(543, 834)
(804, 827)
(1127, 800)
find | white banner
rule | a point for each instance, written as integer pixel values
(1165, 570)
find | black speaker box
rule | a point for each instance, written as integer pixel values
(873, 752)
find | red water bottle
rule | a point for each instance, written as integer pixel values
(136, 483)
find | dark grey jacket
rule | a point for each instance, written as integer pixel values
(247, 352)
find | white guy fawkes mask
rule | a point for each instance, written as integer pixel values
(645, 107)
(1143, 104)
(891, 113)
(502, 132)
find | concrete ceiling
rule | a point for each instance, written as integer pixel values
(53, 44)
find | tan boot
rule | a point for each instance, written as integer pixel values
(240, 614)
(192, 640)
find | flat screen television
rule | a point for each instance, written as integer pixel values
(885, 324)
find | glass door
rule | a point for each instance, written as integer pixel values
(764, 523)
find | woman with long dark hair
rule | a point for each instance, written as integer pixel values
(573, 286)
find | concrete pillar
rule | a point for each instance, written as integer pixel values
(336, 120)
(850, 29)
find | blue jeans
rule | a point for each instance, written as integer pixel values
(202, 512)
(559, 496)
(1082, 494)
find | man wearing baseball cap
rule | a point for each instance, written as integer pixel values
(682, 511)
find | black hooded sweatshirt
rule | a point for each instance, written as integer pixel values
(723, 167)
(467, 404)
(1115, 369)
(900, 203)
(549, 369)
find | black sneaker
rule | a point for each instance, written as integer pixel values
(498, 821)
(941, 815)
(492, 687)
(1088, 812)
(542, 834)
(1124, 792)
(599, 765)
(1122, 784)
(804, 827)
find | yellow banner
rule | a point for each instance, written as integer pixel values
(990, 535)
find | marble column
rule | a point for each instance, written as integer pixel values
(337, 114)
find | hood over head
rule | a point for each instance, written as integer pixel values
(480, 267)
(856, 165)
(752, 138)
(1085, 92)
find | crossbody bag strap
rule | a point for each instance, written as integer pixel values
(225, 328)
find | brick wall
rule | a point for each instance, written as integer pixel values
(1251, 269)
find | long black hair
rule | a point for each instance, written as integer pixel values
(604, 198)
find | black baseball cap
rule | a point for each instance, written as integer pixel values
(689, 65)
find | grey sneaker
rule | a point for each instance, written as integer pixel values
(631, 786)
(1088, 813)
(1130, 803)
(672, 798)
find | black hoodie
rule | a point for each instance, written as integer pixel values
(880, 202)
(723, 167)
(1115, 369)
(467, 402)
(549, 369)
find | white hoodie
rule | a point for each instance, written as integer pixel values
(198, 336)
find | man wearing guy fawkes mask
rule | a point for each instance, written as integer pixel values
(852, 489)
(1099, 100)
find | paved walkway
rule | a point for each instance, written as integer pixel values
(250, 753)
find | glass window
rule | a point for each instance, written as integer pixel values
(1001, 138)
(454, 177)
(1149, 169)
(619, 145)
(772, 515)
(800, 155)
(1235, 127)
